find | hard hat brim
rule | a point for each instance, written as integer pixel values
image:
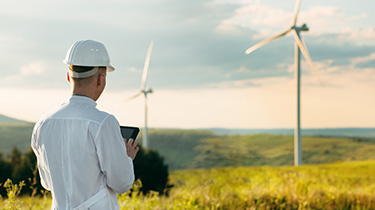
(110, 68)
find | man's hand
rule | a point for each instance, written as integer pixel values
(131, 148)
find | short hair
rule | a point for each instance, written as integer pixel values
(81, 69)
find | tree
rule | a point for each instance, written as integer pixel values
(29, 173)
(149, 167)
(16, 161)
(5, 173)
(20, 167)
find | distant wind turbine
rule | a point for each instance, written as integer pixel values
(299, 47)
(145, 91)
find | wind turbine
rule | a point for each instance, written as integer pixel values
(299, 47)
(145, 91)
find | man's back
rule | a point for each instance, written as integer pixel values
(80, 154)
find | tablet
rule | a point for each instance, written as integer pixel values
(129, 132)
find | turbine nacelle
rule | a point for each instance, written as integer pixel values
(301, 28)
(147, 91)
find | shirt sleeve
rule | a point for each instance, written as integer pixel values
(114, 162)
(40, 154)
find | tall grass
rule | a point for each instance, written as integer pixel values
(13, 190)
(349, 185)
(333, 186)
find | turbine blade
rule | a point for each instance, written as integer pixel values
(135, 96)
(296, 11)
(306, 54)
(266, 41)
(145, 67)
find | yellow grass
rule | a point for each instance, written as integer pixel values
(349, 185)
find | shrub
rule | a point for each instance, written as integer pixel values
(150, 168)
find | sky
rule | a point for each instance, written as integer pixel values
(199, 72)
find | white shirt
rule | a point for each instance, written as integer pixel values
(81, 156)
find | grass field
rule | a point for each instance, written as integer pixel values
(211, 171)
(345, 185)
(189, 149)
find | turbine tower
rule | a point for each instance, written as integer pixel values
(145, 91)
(300, 47)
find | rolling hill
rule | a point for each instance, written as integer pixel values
(326, 132)
(6, 119)
(203, 149)
(189, 149)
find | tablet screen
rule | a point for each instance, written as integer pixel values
(129, 132)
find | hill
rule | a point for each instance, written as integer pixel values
(327, 132)
(14, 132)
(6, 119)
(15, 135)
(204, 149)
(189, 149)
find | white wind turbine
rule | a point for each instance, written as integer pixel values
(145, 91)
(299, 47)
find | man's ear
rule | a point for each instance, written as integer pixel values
(100, 79)
(67, 76)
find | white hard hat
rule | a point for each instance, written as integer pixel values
(88, 53)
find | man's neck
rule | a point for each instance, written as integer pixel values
(84, 93)
(80, 95)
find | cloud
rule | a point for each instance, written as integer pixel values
(229, 27)
(25, 72)
(133, 69)
(33, 68)
(363, 60)
(270, 19)
(192, 49)
(254, 15)
(361, 36)
(345, 76)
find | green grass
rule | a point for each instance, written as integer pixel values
(345, 185)
(177, 146)
(256, 150)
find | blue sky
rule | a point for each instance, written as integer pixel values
(199, 71)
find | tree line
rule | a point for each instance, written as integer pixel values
(149, 168)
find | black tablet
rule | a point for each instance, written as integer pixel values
(129, 132)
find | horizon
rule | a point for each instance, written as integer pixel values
(207, 128)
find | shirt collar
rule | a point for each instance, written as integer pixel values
(76, 98)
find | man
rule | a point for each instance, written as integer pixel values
(82, 158)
